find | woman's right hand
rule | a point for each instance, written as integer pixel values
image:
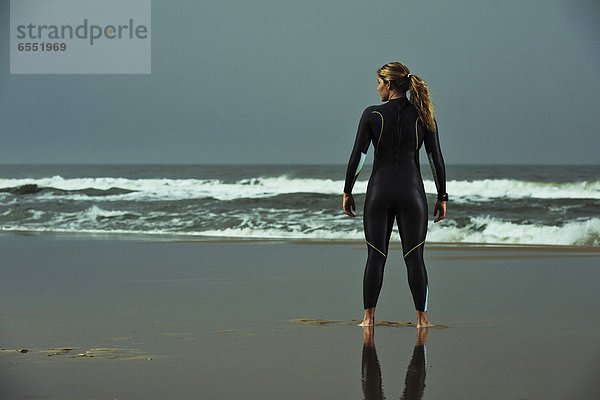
(440, 208)
(348, 205)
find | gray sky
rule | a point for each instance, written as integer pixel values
(286, 81)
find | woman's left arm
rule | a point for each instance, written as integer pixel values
(438, 170)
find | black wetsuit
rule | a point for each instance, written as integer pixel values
(395, 191)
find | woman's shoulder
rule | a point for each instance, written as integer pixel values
(373, 109)
(376, 107)
(368, 112)
(369, 108)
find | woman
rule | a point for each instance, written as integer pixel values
(397, 129)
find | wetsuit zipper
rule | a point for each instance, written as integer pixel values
(397, 147)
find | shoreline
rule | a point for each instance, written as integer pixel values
(220, 239)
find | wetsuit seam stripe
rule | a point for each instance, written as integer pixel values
(417, 134)
(380, 133)
(413, 248)
(375, 248)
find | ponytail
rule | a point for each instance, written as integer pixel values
(420, 98)
(402, 80)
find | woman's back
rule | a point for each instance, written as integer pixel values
(396, 135)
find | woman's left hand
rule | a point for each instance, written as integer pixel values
(348, 205)
(440, 209)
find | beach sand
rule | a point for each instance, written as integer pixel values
(102, 318)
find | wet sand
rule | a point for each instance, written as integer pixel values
(100, 318)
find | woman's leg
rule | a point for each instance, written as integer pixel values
(412, 224)
(378, 223)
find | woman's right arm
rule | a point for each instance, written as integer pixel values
(359, 151)
(356, 162)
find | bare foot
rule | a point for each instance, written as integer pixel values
(369, 318)
(422, 321)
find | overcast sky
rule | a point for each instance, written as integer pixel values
(513, 81)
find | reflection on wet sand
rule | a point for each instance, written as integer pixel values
(414, 384)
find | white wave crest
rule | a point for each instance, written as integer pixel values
(491, 230)
(510, 188)
(181, 189)
(486, 230)
(94, 212)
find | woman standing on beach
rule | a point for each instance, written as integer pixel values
(397, 129)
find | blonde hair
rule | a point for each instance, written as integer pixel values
(397, 74)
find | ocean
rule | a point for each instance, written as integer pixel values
(492, 204)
